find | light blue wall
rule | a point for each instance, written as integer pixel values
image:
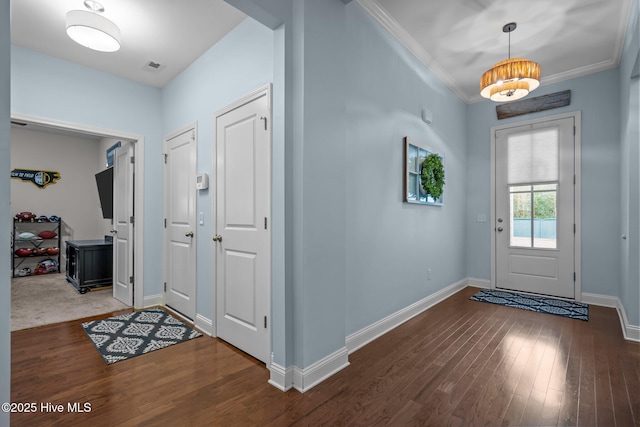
(629, 174)
(597, 97)
(5, 212)
(234, 67)
(391, 244)
(51, 88)
(319, 164)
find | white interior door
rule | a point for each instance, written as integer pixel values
(180, 218)
(243, 206)
(123, 221)
(534, 208)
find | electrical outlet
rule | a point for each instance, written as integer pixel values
(201, 218)
(428, 274)
(481, 218)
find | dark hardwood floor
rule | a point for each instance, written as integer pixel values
(460, 363)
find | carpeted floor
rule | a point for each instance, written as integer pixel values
(46, 299)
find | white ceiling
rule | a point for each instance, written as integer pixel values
(457, 39)
(460, 39)
(169, 32)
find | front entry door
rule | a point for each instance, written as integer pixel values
(123, 222)
(243, 198)
(534, 208)
(180, 218)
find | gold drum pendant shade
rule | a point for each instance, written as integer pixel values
(510, 79)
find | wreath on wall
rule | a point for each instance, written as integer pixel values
(433, 175)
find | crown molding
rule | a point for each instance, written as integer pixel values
(405, 39)
(402, 36)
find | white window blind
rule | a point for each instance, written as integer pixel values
(533, 157)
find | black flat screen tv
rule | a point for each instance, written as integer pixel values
(104, 180)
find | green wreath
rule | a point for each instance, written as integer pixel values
(433, 176)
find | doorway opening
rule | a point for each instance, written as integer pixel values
(62, 130)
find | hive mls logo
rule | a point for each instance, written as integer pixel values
(78, 407)
(39, 178)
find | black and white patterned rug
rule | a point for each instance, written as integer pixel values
(128, 335)
(541, 304)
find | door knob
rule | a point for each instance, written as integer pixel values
(113, 231)
(499, 219)
(499, 228)
(189, 234)
(217, 238)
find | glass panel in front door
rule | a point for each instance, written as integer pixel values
(533, 216)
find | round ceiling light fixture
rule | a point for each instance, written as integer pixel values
(512, 78)
(89, 29)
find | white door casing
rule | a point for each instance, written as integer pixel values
(243, 237)
(180, 217)
(123, 222)
(138, 147)
(535, 264)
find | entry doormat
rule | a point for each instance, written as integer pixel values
(541, 304)
(128, 335)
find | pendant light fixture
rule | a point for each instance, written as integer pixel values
(90, 29)
(512, 78)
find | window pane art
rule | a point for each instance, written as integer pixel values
(414, 156)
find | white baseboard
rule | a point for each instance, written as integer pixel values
(281, 377)
(152, 300)
(601, 300)
(630, 332)
(205, 325)
(305, 379)
(479, 283)
(369, 333)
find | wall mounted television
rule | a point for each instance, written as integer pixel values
(104, 181)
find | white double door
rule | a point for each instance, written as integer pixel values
(242, 209)
(535, 209)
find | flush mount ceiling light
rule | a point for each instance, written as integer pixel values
(512, 78)
(90, 29)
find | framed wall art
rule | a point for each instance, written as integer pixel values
(423, 174)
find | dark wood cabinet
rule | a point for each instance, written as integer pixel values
(89, 263)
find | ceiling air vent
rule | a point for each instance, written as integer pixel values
(153, 67)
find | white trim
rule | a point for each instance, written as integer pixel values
(577, 202)
(405, 39)
(600, 300)
(479, 283)
(577, 117)
(151, 301)
(204, 324)
(378, 13)
(139, 301)
(305, 379)
(280, 377)
(630, 332)
(369, 333)
(184, 129)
